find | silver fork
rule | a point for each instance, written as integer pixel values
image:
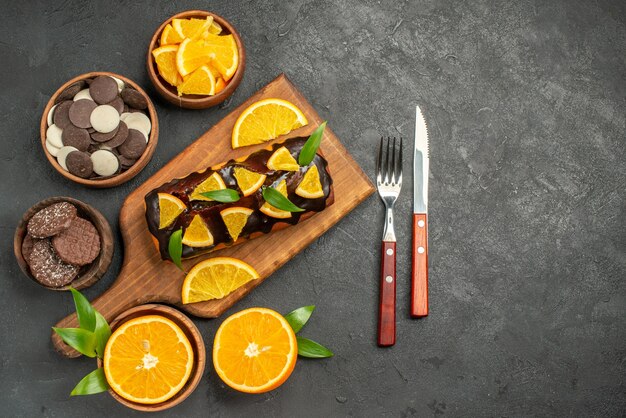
(388, 183)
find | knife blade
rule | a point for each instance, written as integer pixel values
(419, 278)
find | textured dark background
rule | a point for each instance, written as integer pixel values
(526, 103)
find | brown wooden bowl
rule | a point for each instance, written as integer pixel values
(197, 345)
(89, 274)
(193, 101)
(113, 180)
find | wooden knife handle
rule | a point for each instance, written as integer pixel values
(419, 279)
(387, 306)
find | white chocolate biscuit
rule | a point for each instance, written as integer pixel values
(104, 118)
(140, 122)
(105, 163)
(62, 155)
(83, 94)
(120, 84)
(52, 149)
(50, 113)
(53, 134)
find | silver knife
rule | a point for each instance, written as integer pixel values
(419, 278)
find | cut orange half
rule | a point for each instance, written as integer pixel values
(165, 58)
(255, 350)
(215, 278)
(201, 82)
(281, 159)
(272, 211)
(148, 359)
(248, 181)
(265, 120)
(213, 182)
(169, 208)
(235, 218)
(197, 233)
(310, 187)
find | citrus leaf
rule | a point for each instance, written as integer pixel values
(299, 317)
(223, 195)
(84, 311)
(276, 199)
(79, 339)
(311, 145)
(94, 382)
(311, 349)
(103, 332)
(175, 247)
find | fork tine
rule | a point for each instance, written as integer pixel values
(399, 167)
(379, 162)
(386, 168)
(392, 167)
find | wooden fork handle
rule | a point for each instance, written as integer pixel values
(419, 278)
(387, 306)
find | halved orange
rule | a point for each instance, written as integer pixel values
(248, 181)
(201, 81)
(169, 208)
(310, 187)
(192, 54)
(235, 218)
(255, 350)
(148, 359)
(213, 182)
(265, 120)
(224, 53)
(191, 28)
(282, 159)
(169, 36)
(197, 233)
(165, 58)
(272, 211)
(215, 278)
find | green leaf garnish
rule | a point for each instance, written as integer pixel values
(103, 332)
(175, 247)
(79, 339)
(94, 382)
(84, 311)
(276, 199)
(299, 317)
(311, 349)
(311, 145)
(222, 195)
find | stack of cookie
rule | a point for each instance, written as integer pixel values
(58, 244)
(98, 127)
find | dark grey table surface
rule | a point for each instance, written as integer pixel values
(526, 103)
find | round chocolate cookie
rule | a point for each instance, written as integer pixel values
(104, 137)
(47, 268)
(118, 104)
(79, 164)
(134, 145)
(27, 246)
(134, 99)
(76, 137)
(126, 162)
(51, 220)
(119, 138)
(103, 89)
(70, 91)
(80, 113)
(61, 115)
(79, 244)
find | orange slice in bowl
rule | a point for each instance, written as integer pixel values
(248, 181)
(224, 53)
(281, 159)
(165, 58)
(169, 208)
(235, 218)
(148, 359)
(255, 350)
(310, 187)
(201, 81)
(197, 233)
(169, 36)
(191, 28)
(191, 55)
(215, 278)
(272, 211)
(265, 120)
(213, 182)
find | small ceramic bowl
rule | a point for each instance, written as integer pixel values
(192, 101)
(197, 344)
(89, 274)
(123, 177)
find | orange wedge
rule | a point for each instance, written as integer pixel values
(215, 278)
(169, 209)
(310, 187)
(169, 36)
(264, 120)
(272, 211)
(148, 359)
(224, 53)
(255, 350)
(197, 233)
(201, 81)
(192, 55)
(235, 218)
(165, 58)
(213, 182)
(281, 159)
(191, 28)
(220, 85)
(248, 181)
(215, 28)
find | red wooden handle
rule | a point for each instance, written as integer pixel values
(419, 279)
(387, 307)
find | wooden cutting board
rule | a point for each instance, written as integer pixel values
(145, 278)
